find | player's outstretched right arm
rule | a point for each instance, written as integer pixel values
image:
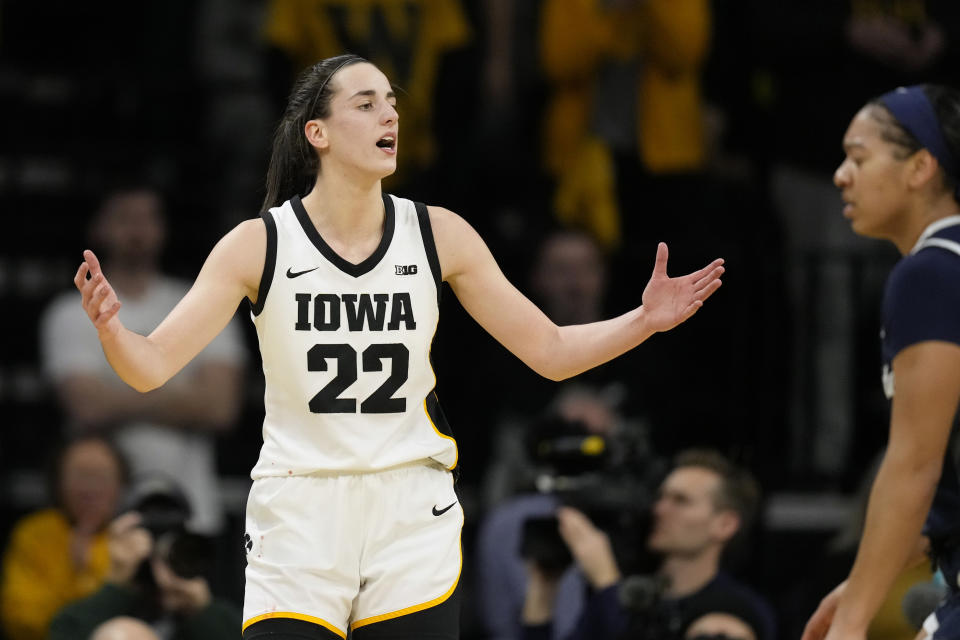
(231, 272)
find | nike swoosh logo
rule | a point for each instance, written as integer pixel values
(440, 512)
(294, 274)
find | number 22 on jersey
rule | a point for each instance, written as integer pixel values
(328, 399)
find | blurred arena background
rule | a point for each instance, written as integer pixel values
(713, 126)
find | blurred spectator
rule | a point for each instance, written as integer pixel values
(142, 584)
(569, 278)
(704, 504)
(625, 79)
(407, 41)
(59, 554)
(124, 628)
(168, 430)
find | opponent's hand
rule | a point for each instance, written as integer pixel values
(819, 624)
(669, 301)
(97, 296)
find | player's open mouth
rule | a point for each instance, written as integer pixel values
(388, 143)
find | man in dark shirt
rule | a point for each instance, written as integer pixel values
(703, 504)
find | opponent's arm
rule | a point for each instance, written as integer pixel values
(559, 352)
(231, 272)
(927, 376)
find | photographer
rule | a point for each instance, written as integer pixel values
(582, 450)
(155, 575)
(60, 553)
(703, 504)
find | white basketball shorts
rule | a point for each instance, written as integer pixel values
(344, 551)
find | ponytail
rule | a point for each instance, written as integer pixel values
(293, 161)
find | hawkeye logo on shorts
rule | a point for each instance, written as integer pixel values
(406, 269)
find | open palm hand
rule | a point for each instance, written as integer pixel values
(97, 296)
(669, 301)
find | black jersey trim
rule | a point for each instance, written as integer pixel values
(355, 270)
(429, 244)
(436, 414)
(269, 263)
(439, 420)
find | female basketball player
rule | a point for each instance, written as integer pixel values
(352, 520)
(900, 183)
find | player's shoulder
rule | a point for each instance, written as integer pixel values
(253, 226)
(249, 235)
(951, 231)
(445, 221)
(452, 231)
(456, 241)
(932, 267)
(922, 286)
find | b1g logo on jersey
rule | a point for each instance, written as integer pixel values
(406, 269)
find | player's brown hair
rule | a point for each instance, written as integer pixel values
(293, 162)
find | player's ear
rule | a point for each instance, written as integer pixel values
(922, 167)
(316, 133)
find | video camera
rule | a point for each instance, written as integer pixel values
(611, 478)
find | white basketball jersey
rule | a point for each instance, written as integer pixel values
(346, 348)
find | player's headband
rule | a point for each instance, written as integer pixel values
(323, 85)
(913, 110)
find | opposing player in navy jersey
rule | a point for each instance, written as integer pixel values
(352, 520)
(900, 182)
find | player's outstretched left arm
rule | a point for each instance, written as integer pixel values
(559, 352)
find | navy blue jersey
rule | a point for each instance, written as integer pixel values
(921, 303)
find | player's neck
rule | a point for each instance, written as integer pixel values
(344, 209)
(921, 218)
